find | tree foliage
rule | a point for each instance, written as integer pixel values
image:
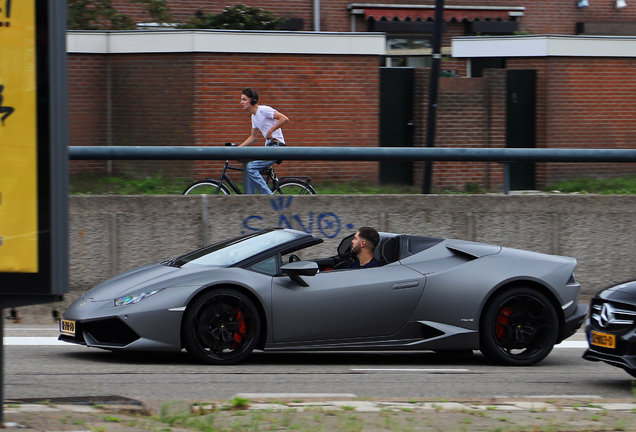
(96, 15)
(238, 17)
(101, 15)
(158, 10)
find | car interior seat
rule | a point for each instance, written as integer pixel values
(388, 250)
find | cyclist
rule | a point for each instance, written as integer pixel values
(269, 122)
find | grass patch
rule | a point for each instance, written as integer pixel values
(181, 418)
(99, 184)
(361, 188)
(613, 186)
(239, 403)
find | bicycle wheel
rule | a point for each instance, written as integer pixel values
(295, 187)
(205, 187)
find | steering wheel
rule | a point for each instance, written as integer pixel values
(293, 258)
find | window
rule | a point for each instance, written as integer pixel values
(233, 251)
(408, 51)
(408, 43)
(267, 266)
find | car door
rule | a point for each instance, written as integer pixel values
(345, 303)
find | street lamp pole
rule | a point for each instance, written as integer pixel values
(432, 94)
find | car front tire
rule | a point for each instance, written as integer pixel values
(519, 327)
(221, 327)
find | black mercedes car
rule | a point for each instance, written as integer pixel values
(611, 327)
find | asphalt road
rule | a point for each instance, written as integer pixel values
(40, 370)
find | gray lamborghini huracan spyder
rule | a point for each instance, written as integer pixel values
(253, 292)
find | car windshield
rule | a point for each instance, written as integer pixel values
(233, 251)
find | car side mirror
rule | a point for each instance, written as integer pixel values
(300, 268)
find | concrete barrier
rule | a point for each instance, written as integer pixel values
(111, 234)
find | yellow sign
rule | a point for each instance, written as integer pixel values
(18, 138)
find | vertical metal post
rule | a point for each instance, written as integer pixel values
(109, 110)
(506, 178)
(316, 15)
(432, 95)
(246, 178)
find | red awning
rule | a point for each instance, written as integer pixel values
(414, 14)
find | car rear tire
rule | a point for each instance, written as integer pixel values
(519, 327)
(221, 327)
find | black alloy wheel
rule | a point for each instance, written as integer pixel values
(519, 327)
(221, 327)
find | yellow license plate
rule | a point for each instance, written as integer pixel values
(603, 340)
(67, 327)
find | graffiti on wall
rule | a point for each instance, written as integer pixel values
(327, 224)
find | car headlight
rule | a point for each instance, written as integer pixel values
(134, 298)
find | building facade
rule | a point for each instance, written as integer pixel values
(581, 95)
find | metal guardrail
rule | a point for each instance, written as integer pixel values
(350, 154)
(500, 155)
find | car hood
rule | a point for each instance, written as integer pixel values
(625, 292)
(147, 278)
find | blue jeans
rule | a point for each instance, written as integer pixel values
(256, 180)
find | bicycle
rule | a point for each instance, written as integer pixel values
(284, 185)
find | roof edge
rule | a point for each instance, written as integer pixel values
(543, 46)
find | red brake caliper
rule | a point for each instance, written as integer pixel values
(502, 322)
(238, 336)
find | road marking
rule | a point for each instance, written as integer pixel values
(572, 344)
(294, 395)
(444, 371)
(40, 341)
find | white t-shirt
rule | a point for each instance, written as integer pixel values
(264, 119)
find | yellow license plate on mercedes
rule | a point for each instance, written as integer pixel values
(67, 327)
(603, 340)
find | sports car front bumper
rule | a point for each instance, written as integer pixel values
(147, 325)
(107, 332)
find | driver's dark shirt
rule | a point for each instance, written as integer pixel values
(373, 263)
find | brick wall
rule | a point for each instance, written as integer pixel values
(541, 16)
(470, 113)
(495, 89)
(193, 99)
(583, 103)
(153, 103)
(330, 100)
(87, 96)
